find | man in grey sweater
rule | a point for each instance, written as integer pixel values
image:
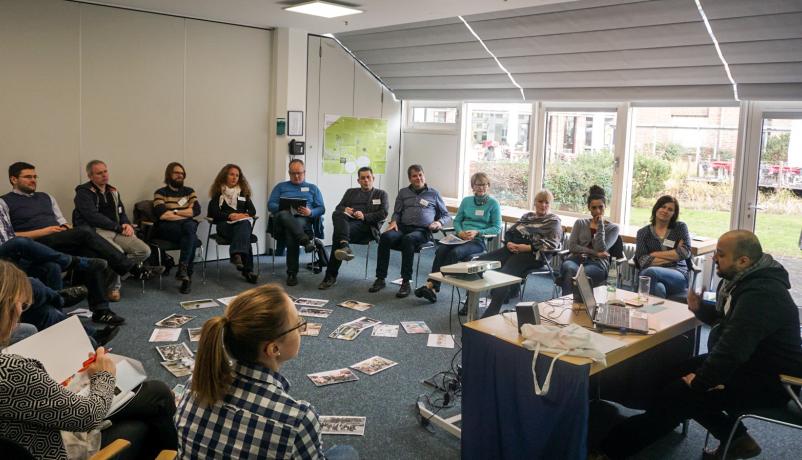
(419, 210)
(356, 220)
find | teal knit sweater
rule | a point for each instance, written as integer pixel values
(486, 218)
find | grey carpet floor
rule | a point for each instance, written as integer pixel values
(387, 399)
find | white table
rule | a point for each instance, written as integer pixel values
(490, 280)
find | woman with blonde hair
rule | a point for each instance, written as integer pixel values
(241, 408)
(231, 209)
(34, 408)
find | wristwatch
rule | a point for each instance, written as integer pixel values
(175, 212)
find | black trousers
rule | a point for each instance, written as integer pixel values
(183, 233)
(348, 230)
(511, 264)
(293, 230)
(146, 421)
(676, 402)
(83, 241)
(406, 239)
(239, 234)
(451, 254)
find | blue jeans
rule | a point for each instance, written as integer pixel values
(21, 332)
(593, 269)
(239, 235)
(183, 233)
(37, 260)
(45, 310)
(450, 254)
(665, 281)
(341, 452)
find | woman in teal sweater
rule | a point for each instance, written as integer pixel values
(478, 215)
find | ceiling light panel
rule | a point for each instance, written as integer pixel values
(322, 9)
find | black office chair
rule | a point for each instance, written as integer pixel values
(220, 240)
(681, 297)
(316, 232)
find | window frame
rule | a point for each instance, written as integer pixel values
(421, 127)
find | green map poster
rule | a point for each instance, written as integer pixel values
(350, 143)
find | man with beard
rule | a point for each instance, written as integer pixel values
(175, 207)
(754, 339)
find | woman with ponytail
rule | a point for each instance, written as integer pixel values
(238, 405)
(590, 241)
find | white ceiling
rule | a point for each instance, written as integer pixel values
(269, 13)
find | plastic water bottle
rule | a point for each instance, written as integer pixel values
(612, 280)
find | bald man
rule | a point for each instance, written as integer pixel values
(754, 338)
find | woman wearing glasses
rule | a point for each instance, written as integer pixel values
(241, 409)
(477, 216)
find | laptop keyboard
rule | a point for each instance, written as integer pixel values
(617, 316)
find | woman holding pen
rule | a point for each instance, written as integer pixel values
(34, 408)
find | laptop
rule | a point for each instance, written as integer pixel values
(285, 203)
(609, 316)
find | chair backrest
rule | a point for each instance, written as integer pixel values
(617, 249)
(143, 210)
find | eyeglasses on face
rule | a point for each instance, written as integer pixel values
(482, 185)
(301, 328)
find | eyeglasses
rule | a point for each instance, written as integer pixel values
(25, 306)
(298, 173)
(29, 177)
(484, 184)
(178, 173)
(301, 327)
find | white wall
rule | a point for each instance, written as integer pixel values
(134, 89)
(438, 153)
(338, 85)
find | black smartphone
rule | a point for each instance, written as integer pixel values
(527, 313)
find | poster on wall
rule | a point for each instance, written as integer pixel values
(351, 143)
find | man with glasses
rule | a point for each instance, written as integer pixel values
(419, 211)
(356, 220)
(175, 207)
(295, 225)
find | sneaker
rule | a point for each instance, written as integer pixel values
(236, 259)
(113, 295)
(344, 254)
(404, 290)
(378, 285)
(106, 335)
(90, 264)
(292, 279)
(327, 282)
(108, 317)
(182, 273)
(743, 446)
(250, 277)
(73, 295)
(426, 293)
(186, 286)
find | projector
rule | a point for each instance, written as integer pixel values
(470, 270)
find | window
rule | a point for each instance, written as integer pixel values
(569, 172)
(498, 145)
(432, 116)
(689, 153)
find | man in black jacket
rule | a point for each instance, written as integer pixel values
(356, 219)
(755, 337)
(98, 205)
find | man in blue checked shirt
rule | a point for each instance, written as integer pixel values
(419, 211)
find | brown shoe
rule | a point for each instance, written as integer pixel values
(741, 447)
(113, 295)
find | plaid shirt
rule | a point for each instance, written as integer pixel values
(256, 419)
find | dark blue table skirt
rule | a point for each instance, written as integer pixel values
(501, 415)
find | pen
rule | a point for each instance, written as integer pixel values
(91, 360)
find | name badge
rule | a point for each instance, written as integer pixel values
(182, 201)
(304, 189)
(480, 212)
(377, 201)
(241, 198)
(669, 243)
(423, 202)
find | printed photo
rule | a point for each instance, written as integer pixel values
(331, 377)
(355, 305)
(345, 332)
(373, 365)
(194, 333)
(385, 330)
(179, 367)
(343, 425)
(363, 323)
(415, 327)
(174, 321)
(169, 334)
(175, 352)
(305, 302)
(440, 341)
(226, 300)
(198, 304)
(314, 312)
(312, 329)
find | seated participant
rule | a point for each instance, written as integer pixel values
(662, 249)
(98, 205)
(478, 215)
(356, 220)
(589, 243)
(36, 215)
(522, 243)
(241, 408)
(34, 408)
(294, 226)
(419, 210)
(174, 207)
(755, 337)
(231, 209)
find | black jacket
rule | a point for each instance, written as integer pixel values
(87, 208)
(220, 214)
(758, 338)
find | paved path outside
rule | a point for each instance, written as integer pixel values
(794, 267)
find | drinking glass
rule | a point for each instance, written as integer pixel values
(644, 285)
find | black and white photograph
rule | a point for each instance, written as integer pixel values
(363, 323)
(355, 305)
(314, 312)
(331, 377)
(198, 304)
(175, 352)
(373, 365)
(385, 330)
(179, 367)
(307, 302)
(345, 332)
(194, 333)
(174, 320)
(312, 329)
(342, 425)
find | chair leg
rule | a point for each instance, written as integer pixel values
(417, 268)
(367, 259)
(159, 257)
(685, 425)
(216, 260)
(256, 256)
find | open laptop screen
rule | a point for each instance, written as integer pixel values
(586, 291)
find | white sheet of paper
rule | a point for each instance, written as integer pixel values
(226, 300)
(440, 341)
(166, 334)
(61, 348)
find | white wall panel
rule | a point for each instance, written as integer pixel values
(439, 156)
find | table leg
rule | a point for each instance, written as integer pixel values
(472, 304)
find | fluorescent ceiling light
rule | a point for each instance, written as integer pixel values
(323, 9)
